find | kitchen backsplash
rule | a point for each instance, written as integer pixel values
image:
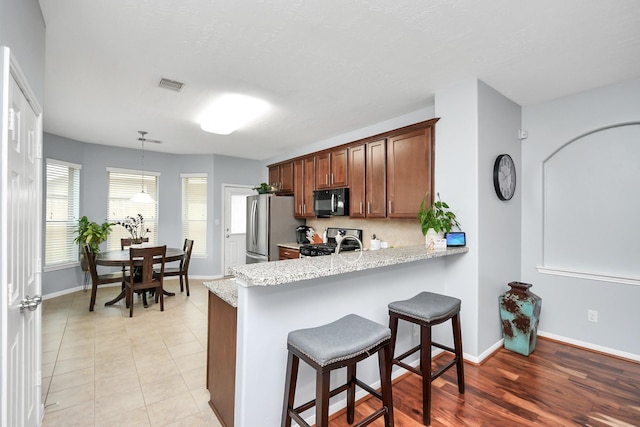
(397, 232)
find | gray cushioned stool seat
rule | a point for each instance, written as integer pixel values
(427, 307)
(340, 340)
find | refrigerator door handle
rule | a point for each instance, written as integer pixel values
(254, 222)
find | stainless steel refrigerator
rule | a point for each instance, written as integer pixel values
(269, 221)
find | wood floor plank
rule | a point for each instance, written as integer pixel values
(557, 385)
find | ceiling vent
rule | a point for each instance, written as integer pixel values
(171, 84)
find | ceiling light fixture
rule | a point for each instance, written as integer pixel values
(231, 112)
(142, 196)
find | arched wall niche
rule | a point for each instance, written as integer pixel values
(591, 205)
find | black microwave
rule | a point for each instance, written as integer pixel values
(331, 202)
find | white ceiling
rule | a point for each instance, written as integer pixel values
(326, 67)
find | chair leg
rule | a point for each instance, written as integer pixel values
(290, 388)
(351, 392)
(425, 368)
(322, 398)
(181, 283)
(159, 292)
(457, 345)
(393, 325)
(94, 289)
(186, 282)
(130, 291)
(144, 299)
(384, 362)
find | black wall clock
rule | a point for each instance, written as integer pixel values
(504, 177)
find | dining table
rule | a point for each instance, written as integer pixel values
(120, 258)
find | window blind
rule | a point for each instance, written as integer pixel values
(61, 213)
(122, 185)
(194, 211)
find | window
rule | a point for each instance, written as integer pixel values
(62, 211)
(194, 211)
(122, 185)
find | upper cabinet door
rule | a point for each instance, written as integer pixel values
(304, 177)
(357, 172)
(281, 176)
(332, 169)
(339, 168)
(409, 172)
(376, 179)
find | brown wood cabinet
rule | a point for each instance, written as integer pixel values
(281, 176)
(303, 186)
(367, 192)
(288, 253)
(331, 169)
(221, 358)
(410, 165)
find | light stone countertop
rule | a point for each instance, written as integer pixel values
(282, 272)
(226, 289)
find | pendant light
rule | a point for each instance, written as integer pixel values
(142, 196)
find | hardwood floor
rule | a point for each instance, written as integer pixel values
(557, 385)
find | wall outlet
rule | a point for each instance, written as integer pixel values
(592, 316)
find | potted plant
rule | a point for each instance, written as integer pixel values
(135, 226)
(435, 219)
(263, 188)
(92, 233)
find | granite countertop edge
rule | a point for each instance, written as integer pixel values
(289, 271)
(225, 288)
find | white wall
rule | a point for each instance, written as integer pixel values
(565, 299)
(499, 221)
(456, 180)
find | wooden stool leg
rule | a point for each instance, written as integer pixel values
(425, 368)
(393, 325)
(290, 388)
(384, 362)
(351, 392)
(322, 398)
(457, 345)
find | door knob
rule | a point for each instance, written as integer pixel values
(30, 303)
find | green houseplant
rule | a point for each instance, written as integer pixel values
(263, 188)
(92, 233)
(436, 216)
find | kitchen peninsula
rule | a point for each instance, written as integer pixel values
(271, 299)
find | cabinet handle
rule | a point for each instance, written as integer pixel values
(368, 207)
(326, 179)
(332, 181)
(389, 206)
(304, 208)
(360, 207)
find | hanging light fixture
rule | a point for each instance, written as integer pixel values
(142, 196)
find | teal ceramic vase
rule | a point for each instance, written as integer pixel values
(520, 314)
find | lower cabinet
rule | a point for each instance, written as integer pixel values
(221, 358)
(288, 253)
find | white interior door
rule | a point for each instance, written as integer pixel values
(234, 223)
(20, 254)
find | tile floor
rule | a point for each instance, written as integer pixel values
(103, 368)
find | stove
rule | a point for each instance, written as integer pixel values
(320, 249)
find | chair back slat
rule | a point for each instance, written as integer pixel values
(148, 256)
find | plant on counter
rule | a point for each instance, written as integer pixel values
(135, 226)
(436, 216)
(92, 233)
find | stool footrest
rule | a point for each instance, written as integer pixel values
(444, 368)
(371, 418)
(310, 404)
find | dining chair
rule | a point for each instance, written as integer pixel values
(99, 279)
(183, 270)
(145, 258)
(124, 244)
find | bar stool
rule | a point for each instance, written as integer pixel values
(344, 342)
(427, 309)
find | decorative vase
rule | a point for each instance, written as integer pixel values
(430, 237)
(520, 314)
